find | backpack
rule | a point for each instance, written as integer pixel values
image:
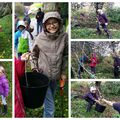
(23, 46)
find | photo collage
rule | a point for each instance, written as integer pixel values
(59, 59)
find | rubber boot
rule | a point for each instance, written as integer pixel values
(4, 110)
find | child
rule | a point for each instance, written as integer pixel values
(19, 71)
(4, 89)
(93, 63)
(23, 42)
(91, 98)
(102, 21)
(49, 54)
(115, 105)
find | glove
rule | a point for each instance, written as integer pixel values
(106, 24)
(35, 70)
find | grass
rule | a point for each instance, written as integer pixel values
(90, 33)
(78, 110)
(8, 68)
(6, 37)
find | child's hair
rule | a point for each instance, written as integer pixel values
(2, 69)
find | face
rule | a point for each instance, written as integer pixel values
(52, 25)
(94, 91)
(21, 28)
(1, 73)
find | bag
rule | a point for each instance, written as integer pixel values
(23, 45)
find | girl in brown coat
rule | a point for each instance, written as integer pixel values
(49, 53)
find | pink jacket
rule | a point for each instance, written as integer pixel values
(19, 104)
(93, 62)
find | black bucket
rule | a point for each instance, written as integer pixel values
(100, 108)
(34, 93)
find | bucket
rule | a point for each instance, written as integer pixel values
(100, 108)
(34, 89)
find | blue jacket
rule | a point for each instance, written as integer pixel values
(82, 59)
(17, 35)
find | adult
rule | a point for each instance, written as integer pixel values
(102, 21)
(39, 18)
(27, 19)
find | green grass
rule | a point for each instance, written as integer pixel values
(6, 37)
(78, 110)
(8, 68)
(89, 33)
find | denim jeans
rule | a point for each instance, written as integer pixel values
(49, 105)
(39, 27)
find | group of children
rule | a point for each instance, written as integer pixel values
(92, 97)
(93, 62)
(49, 54)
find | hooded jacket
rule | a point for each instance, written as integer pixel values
(93, 61)
(4, 86)
(50, 50)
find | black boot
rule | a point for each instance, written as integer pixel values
(4, 110)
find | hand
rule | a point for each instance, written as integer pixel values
(37, 70)
(25, 56)
(97, 101)
(62, 81)
(63, 77)
(106, 24)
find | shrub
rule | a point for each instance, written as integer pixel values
(19, 9)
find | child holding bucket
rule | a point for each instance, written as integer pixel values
(49, 55)
(4, 89)
(19, 71)
(91, 97)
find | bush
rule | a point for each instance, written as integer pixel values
(111, 88)
(114, 15)
(19, 9)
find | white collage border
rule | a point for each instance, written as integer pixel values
(69, 30)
